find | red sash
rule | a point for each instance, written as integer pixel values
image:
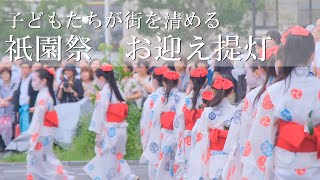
(166, 120)
(117, 112)
(217, 139)
(191, 116)
(51, 119)
(293, 138)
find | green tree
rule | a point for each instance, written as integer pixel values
(230, 14)
(47, 7)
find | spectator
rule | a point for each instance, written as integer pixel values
(130, 85)
(87, 81)
(74, 62)
(223, 67)
(204, 64)
(83, 64)
(169, 65)
(32, 93)
(16, 75)
(22, 96)
(275, 38)
(70, 88)
(94, 65)
(144, 80)
(59, 71)
(212, 60)
(6, 106)
(45, 65)
(35, 66)
(180, 67)
(258, 47)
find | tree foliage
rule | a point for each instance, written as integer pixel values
(60, 7)
(232, 15)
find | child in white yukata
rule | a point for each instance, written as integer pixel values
(146, 119)
(41, 162)
(192, 108)
(108, 122)
(166, 131)
(239, 132)
(284, 139)
(207, 159)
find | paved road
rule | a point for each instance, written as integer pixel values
(16, 171)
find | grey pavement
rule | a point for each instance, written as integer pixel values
(16, 171)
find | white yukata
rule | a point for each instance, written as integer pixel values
(186, 143)
(238, 135)
(281, 120)
(146, 121)
(111, 139)
(146, 124)
(41, 162)
(206, 163)
(162, 143)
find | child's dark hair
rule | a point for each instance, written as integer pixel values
(296, 52)
(253, 64)
(269, 67)
(158, 78)
(220, 94)
(44, 74)
(109, 76)
(206, 102)
(198, 83)
(170, 84)
(274, 35)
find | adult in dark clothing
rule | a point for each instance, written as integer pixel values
(23, 96)
(70, 88)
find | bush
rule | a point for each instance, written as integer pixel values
(134, 148)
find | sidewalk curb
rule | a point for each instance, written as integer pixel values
(65, 163)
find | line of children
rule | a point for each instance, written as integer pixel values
(273, 134)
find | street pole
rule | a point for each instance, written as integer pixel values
(253, 19)
(107, 30)
(254, 12)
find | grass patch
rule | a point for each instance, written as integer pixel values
(82, 148)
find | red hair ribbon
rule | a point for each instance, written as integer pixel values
(199, 72)
(296, 31)
(207, 95)
(51, 71)
(106, 68)
(171, 75)
(160, 70)
(222, 83)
